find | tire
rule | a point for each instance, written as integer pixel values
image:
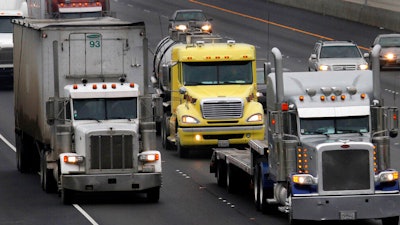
(256, 188)
(47, 180)
(231, 179)
(24, 164)
(390, 220)
(67, 196)
(221, 173)
(153, 195)
(183, 152)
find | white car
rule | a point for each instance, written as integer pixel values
(337, 55)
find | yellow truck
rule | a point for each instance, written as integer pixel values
(205, 93)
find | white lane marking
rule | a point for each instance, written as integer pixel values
(85, 214)
(77, 207)
(7, 143)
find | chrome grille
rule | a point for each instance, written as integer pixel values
(6, 55)
(111, 152)
(222, 109)
(344, 67)
(346, 170)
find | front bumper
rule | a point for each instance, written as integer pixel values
(110, 182)
(217, 136)
(346, 207)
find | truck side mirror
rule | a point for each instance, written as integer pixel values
(55, 110)
(166, 76)
(50, 115)
(392, 122)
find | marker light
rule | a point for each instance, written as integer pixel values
(303, 179)
(73, 159)
(284, 106)
(362, 95)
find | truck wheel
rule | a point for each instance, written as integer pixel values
(47, 180)
(165, 133)
(231, 178)
(153, 194)
(221, 173)
(390, 220)
(182, 151)
(67, 196)
(256, 187)
(23, 163)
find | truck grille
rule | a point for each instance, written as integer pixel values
(343, 67)
(222, 109)
(6, 56)
(111, 152)
(345, 170)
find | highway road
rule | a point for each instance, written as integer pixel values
(190, 195)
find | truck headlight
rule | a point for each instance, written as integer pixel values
(149, 157)
(73, 159)
(387, 176)
(150, 161)
(189, 119)
(323, 68)
(255, 118)
(303, 179)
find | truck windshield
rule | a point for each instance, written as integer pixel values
(105, 108)
(212, 73)
(5, 24)
(334, 125)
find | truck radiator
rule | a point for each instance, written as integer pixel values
(346, 170)
(111, 152)
(222, 109)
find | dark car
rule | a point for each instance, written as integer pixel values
(389, 55)
(189, 20)
(261, 87)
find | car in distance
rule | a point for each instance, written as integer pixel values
(390, 49)
(189, 20)
(337, 55)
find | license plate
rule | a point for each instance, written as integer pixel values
(223, 143)
(347, 215)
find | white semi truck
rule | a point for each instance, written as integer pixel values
(81, 114)
(8, 10)
(326, 155)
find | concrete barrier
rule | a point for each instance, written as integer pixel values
(361, 13)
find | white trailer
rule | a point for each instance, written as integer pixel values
(81, 113)
(8, 10)
(326, 155)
